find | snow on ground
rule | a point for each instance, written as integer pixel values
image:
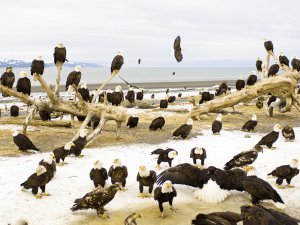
(15, 127)
(72, 181)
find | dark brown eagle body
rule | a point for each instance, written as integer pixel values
(45, 115)
(35, 182)
(130, 96)
(222, 89)
(251, 80)
(80, 143)
(118, 175)
(216, 127)
(51, 168)
(240, 84)
(60, 54)
(273, 70)
(177, 49)
(148, 181)
(284, 60)
(269, 46)
(132, 121)
(24, 143)
(288, 133)
(140, 95)
(183, 131)
(196, 156)
(285, 172)
(296, 64)
(37, 67)
(73, 78)
(249, 125)
(85, 93)
(7, 79)
(163, 104)
(98, 176)
(117, 98)
(217, 218)
(24, 86)
(163, 155)
(60, 154)
(14, 111)
(157, 123)
(164, 197)
(117, 63)
(258, 65)
(269, 139)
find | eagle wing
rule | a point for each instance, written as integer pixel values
(183, 130)
(177, 44)
(158, 151)
(281, 171)
(241, 159)
(24, 142)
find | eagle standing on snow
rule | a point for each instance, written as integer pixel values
(73, 78)
(96, 199)
(165, 193)
(177, 49)
(49, 164)
(198, 153)
(118, 173)
(37, 180)
(184, 130)
(250, 124)
(216, 126)
(146, 178)
(98, 174)
(37, 66)
(132, 121)
(24, 84)
(157, 123)
(286, 172)
(62, 152)
(165, 156)
(23, 142)
(8, 79)
(269, 139)
(288, 133)
(60, 54)
(79, 144)
(217, 218)
(117, 63)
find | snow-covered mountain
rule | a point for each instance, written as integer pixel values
(23, 64)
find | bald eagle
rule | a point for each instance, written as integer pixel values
(14, 111)
(283, 60)
(244, 158)
(258, 65)
(216, 126)
(23, 142)
(269, 139)
(157, 123)
(268, 46)
(165, 193)
(24, 84)
(179, 95)
(96, 199)
(60, 54)
(98, 174)
(130, 96)
(295, 64)
(286, 172)
(73, 78)
(117, 96)
(205, 97)
(184, 130)
(45, 114)
(252, 79)
(171, 99)
(177, 49)
(84, 92)
(146, 178)
(273, 70)
(250, 124)
(62, 152)
(117, 62)
(152, 96)
(118, 173)
(240, 84)
(288, 133)
(165, 156)
(140, 95)
(37, 180)
(49, 164)
(132, 121)
(217, 218)
(7, 79)
(163, 103)
(198, 153)
(79, 143)
(222, 89)
(37, 66)
(259, 215)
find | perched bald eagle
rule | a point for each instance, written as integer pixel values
(288, 133)
(60, 54)
(45, 114)
(252, 79)
(240, 83)
(205, 96)
(165, 156)
(117, 96)
(98, 174)
(198, 153)
(243, 159)
(14, 111)
(49, 164)
(118, 173)
(73, 78)
(165, 193)
(130, 96)
(216, 126)
(109, 95)
(153, 96)
(269, 139)
(157, 123)
(140, 95)
(8, 79)
(222, 89)
(171, 99)
(268, 45)
(177, 49)
(146, 178)
(217, 218)
(79, 143)
(250, 124)
(163, 103)
(259, 215)
(24, 84)
(37, 66)
(258, 65)
(23, 142)
(37, 180)
(179, 95)
(286, 172)
(96, 199)
(139, 61)
(295, 63)
(84, 92)
(283, 60)
(62, 152)
(184, 130)
(117, 62)
(273, 70)
(132, 121)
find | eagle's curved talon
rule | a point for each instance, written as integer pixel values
(104, 216)
(38, 196)
(142, 195)
(46, 194)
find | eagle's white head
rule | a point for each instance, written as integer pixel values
(167, 187)
(9, 69)
(219, 118)
(97, 164)
(15, 132)
(109, 91)
(143, 171)
(120, 52)
(83, 133)
(130, 89)
(23, 74)
(118, 89)
(172, 154)
(48, 159)
(254, 118)
(69, 145)
(83, 84)
(39, 58)
(253, 72)
(294, 163)
(40, 170)
(199, 151)
(277, 127)
(189, 122)
(77, 68)
(281, 54)
(258, 58)
(60, 45)
(241, 78)
(117, 163)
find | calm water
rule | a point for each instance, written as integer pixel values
(147, 75)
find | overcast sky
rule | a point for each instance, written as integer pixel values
(213, 32)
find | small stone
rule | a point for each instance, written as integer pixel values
(247, 136)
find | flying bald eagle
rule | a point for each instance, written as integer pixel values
(117, 96)
(273, 70)
(96, 199)
(14, 111)
(217, 218)
(84, 92)
(165, 193)
(198, 153)
(79, 144)
(258, 65)
(132, 121)
(157, 123)
(23, 142)
(243, 159)
(62, 152)
(37, 66)
(259, 215)
(118, 173)
(283, 60)
(130, 96)
(269, 139)
(295, 63)
(250, 124)
(49, 164)
(165, 156)
(146, 178)
(240, 83)
(98, 174)
(37, 180)
(24, 84)
(286, 172)
(45, 115)
(60, 54)
(117, 62)
(73, 78)
(177, 49)
(163, 104)
(184, 130)
(8, 79)
(288, 133)
(268, 46)
(139, 61)
(252, 79)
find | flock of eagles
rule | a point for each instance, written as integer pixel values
(238, 173)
